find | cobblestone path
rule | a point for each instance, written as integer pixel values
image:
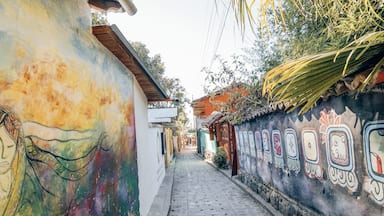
(200, 190)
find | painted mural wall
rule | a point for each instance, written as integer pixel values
(67, 135)
(329, 160)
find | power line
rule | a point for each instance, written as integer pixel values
(218, 39)
(208, 34)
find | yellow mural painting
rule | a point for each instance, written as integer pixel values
(60, 92)
(62, 111)
(66, 115)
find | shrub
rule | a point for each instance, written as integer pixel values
(220, 158)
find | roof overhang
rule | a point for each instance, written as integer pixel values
(114, 41)
(114, 5)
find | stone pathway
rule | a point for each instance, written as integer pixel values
(200, 190)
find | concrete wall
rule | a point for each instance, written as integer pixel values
(328, 161)
(66, 115)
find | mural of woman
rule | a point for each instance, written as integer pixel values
(7, 153)
(34, 181)
(12, 161)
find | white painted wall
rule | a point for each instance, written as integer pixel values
(150, 161)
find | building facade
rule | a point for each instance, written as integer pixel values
(73, 115)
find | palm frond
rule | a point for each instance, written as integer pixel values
(302, 82)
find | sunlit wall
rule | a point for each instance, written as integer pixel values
(67, 129)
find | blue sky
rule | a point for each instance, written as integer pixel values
(185, 33)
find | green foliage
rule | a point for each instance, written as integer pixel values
(350, 20)
(171, 86)
(220, 158)
(329, 39)
(99, 18)
(304, 33)
(313, 35)
(225, 73)
(304, 81)
(347, 19)
(243, 72)
(264, 54)
(154, 64)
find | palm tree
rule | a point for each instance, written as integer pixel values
(304, 81)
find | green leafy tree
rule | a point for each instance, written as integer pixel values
(352, 19)
(231, 74)
(220, 158)
(225, 73)
(172, 86)
(353, 30)
(176, 91)
(154, 64)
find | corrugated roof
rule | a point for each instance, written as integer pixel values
(114, 41)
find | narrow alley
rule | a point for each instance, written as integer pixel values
(199, 189)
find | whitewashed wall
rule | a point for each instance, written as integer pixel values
(150, 160)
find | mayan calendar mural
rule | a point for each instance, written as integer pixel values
(259, 145)
(331, 159)
(340, 156)
(266, 146)
(252, 144)
(339, 149)
(374, 150)
(310, 145)
(277, 149)
(292, 150)
(242, 158)
(247, 152)
(253, 151)
(66, 115)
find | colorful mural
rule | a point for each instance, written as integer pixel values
(259, 145)
(340, 156)
(277, 149)
(266, 146)
(327, 117)
(311, 151)
(339, 147)
(252, 147)
(247, 153)
(66, 116)
(242, 158)
(292, 150)
(374, 150)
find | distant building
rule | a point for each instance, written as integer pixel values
(212, 129)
